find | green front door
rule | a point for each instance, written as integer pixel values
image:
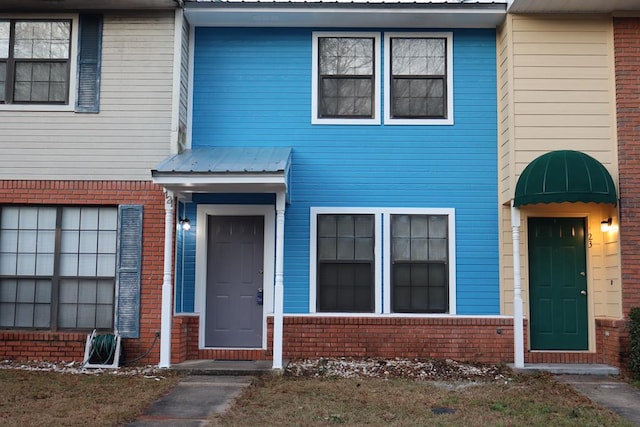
(558, 284)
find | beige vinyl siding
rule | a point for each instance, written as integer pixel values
(560, 90)
(130, 134)
(557, 92)
(603, 265)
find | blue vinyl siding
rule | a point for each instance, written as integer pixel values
(186, 260)
(252, 87)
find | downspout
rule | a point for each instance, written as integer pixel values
(518, 323)
(165, 314)
(278, 305)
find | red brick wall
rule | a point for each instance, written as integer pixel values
(627, 61)
(609, 336)
(29, 345)
(465, 339)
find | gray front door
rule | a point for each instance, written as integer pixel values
(234, 281)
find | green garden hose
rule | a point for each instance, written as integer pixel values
(103, 348)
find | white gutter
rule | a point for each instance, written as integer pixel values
(166, 311)
(518, 329)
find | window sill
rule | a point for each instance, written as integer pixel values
(36, 107)
(417, 122)
(348, 122)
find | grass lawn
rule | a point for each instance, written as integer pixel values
(520, 401)
(32, 398)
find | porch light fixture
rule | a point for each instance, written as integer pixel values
(185, 223)
(605, 225)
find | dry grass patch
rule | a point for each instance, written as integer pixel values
(43, 398)
(502, 400)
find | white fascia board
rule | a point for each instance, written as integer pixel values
(340, 17)
(189, 180)
(572, 6)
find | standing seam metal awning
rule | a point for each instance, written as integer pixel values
(225, 169)
(565, 176)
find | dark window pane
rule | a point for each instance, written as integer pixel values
(58, 92)
(345, 287)
(419, 263)
(418, 68)
(346, 56)
(39, 91)
(4, 38)
(3, 79)
(418, 97)
(345, 77)
(345, 97)
(42, 39)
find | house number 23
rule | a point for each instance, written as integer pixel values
(590, 240)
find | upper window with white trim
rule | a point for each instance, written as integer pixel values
(418, 84)
(345, 78)
(34, 61)
(419, 78)
(42, 63)
(353, 272)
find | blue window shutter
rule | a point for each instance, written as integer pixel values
(128, 270)
(89, 53)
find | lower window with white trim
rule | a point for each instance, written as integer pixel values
(382, 260)
(57, 267)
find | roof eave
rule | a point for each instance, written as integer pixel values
(79, 5)
(573, 6)
(341, 15)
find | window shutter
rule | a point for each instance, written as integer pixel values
(128, 271)
(89, 53)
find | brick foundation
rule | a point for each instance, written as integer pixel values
(484, 340)
(488, 340)
(68, 346)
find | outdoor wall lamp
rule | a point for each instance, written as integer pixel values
(185, 223)
(605, 225)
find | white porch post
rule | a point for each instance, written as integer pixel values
(278, 305)
(165, 319)
(518, 324)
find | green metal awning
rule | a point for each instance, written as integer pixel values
(565, 176)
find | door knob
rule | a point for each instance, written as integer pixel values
(583, 274)
(583, 292)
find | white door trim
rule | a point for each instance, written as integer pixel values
(204, 211)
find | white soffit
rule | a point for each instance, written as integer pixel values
(573, 6)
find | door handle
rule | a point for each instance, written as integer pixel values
(583, 292)
(260, 297)
(583, 274)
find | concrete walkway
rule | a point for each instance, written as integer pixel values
(193, 401)
(617, 395)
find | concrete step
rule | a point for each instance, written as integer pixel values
(226, 367)
(568, 368)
